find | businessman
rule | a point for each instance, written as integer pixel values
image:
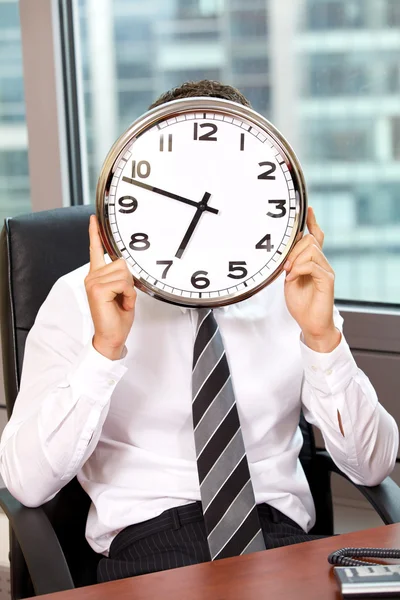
(106, 396)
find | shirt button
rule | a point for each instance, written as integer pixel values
(314, 368)
(329, 372)
(111, 382)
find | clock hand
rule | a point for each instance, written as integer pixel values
(201, 207)
(157, 190)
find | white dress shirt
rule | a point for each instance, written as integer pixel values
(125, 427)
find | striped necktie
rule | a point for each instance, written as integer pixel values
(230, 512)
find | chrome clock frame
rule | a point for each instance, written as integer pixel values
(168, 111)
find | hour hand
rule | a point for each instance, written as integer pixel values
(157, 190)
(202, 206)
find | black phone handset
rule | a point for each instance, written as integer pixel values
(349, 557)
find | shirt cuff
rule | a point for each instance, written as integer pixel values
(331, 372)
(95, 376)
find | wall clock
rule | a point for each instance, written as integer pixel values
(204, 199)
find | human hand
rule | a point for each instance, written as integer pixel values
(309, 289)
(112, 297)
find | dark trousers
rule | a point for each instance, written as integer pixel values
(177, 538)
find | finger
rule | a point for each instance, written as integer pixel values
(313, 226)
(96, 247)
(127, 298)
(107, 292)
(117, 269)
(108, 278)
(311, 253)
(318, 273)
(307, 241)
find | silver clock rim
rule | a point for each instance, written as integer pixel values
(170, 110)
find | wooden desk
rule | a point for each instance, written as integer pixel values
(296, 572)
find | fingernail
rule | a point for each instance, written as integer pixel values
(286, 265)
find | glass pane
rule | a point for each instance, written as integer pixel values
(327, 73)
(14, 174)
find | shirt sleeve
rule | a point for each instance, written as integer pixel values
(65, 393)
(339, 399)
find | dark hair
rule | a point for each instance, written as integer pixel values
(205, 87)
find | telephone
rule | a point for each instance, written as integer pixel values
(361, 579)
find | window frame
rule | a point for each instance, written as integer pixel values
(56, 128)
(372, 327)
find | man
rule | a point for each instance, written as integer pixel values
(106, 395)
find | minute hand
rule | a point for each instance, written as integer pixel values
(157, 190)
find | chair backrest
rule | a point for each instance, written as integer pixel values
(36, 250)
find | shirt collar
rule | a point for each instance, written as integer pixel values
(185, 309)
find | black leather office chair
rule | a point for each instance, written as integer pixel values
(48, 549)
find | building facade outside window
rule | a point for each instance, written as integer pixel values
(335, 99)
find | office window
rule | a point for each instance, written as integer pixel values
(194, 35)
(130, 69)
(198, 8)
(159, 45)
(172, 31)
(361, 223)
(345, 141)
(248, 24)
(336, 14)
(329, 79)
(250, 4)
(361, 73)
(132, 27)
(132, 104)
(7, 16)
(339, 75)
(393, 13)
(381, 212)
(391, 77)
(244, 65)
(14, 175)
(12, 107)
(14, 163)
(396, 139)
(348, 139)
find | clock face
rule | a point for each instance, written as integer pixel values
(204, 207)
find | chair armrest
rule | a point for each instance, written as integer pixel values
(384, 498)
(42, 552)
